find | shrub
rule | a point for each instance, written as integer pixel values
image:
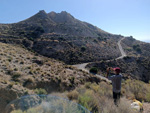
(83, 48)
(30, 79)
(15, 69)
(10, 59)
(22, 62)
(72, 79)
(126, 57)
(16, 75)
(88, 100)
(95, 87)
(9, 71)
(94, 70)
(137, 48)
(40, 91)
(95, 41)
(39, 62)
(128, 49)
(137, 89)
(73, 95)
(99, 38)
(87, 85)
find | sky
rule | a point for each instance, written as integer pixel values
(124, 17)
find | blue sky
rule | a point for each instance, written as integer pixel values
(125, 17)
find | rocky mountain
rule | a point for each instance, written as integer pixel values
(61, 36)
(59, 23)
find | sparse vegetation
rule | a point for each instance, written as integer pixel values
(98, 98)
(136, 47)
(28, 71)
(135, 89)
(131, 67)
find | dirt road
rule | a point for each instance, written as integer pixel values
(83, 65)
(123, 54)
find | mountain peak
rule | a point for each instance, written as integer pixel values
(42, 11)
(40, 18)
(42, 14)
(62, 17)
(64, 13)
(52, 14)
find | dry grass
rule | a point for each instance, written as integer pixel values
(73, 95)
(135, 89)
(98, 97)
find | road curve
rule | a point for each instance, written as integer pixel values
(123, 54)
(83, 65)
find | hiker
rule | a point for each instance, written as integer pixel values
(116, 82)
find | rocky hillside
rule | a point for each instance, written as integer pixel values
(23, 72)
(135, 65)
(61, 36)
(131, 67)
(136, 48)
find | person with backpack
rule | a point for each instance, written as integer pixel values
(116, 82)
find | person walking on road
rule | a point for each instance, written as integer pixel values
(116, 82)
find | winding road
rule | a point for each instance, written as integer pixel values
(123, 54)
(83, 65)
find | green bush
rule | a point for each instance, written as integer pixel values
(40, 91)
(94, 70)
(88, 100)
